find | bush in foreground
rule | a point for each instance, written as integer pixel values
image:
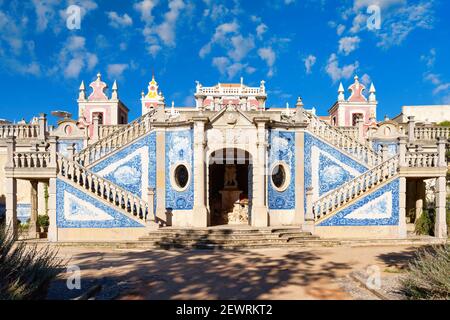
(428, 275)
(26, 272)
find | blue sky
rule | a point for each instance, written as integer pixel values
(299, 47)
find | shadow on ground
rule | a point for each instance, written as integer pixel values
(200, 275)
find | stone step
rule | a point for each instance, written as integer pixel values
(223, 231)
(153, 236)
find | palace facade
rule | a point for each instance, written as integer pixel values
(228, 160)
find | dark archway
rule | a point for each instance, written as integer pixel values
(230, 199)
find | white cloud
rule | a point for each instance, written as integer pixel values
(340, 29)
(348, 44)
(221, 63)
(309, 61)
(260, 30)
(74, 57)
(117, 21)
(269, 56)
(166, 30)
(145, 8)
(337, 73)
(366, 80)
(116, 70)
(440, 87)
(430, 58)
(241, 46)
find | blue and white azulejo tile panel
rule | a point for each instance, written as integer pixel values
(379, 208)
(76, 209)
(326, 168)
(282, 149)
(179, 150)
(63, 144)
(133, 168)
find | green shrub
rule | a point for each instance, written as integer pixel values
(428, 275)
(26, 272)
(444, 124)
(425, 224)
(43, 221)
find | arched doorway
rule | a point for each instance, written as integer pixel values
(230, 187)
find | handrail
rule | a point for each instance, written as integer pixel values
(101, 187)
(115, 140)
(354, 188)
(20, 131)
(343, 141)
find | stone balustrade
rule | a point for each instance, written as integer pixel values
(230, 90)
(336, 137)
(422, 159)
(108, 191)
(431, 133)
(106, 130)
(19, 131)
(352, 132)
(117, 139)
(31, 160)
(354, 188)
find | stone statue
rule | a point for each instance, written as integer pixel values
(230, 176)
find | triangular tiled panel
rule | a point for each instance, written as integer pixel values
(379, 208)
(77, 209)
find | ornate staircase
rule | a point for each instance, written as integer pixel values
(103, 189)
(346, 144)
(355, 189)
(115, 141)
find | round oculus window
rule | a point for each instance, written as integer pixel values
(279, 176)
(181, 175)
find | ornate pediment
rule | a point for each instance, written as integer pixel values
(231, 117)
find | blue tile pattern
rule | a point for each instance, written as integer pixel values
(392, 147)
(282, 148)
(327, 168)
(132, 168)
(76, 209)
(179, 149)
(379, 208)
(63, 144)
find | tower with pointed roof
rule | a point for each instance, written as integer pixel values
(346, 112)
(153, 98)
(110, 110)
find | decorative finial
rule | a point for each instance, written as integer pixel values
(299, 103)
(114, 94)
(341, 96)
(372, 91)
(82, 93)
(99, 76)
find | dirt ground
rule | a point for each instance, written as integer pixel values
(303, 273)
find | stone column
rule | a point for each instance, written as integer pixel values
(402, 232)
(411, 127)
(299, 217)
(440, 225)
(52, 228)
(420, 198)
(96, 127)
(402, 151)
(151, 204)
(11, 206)
(42, 126)
(360, 125)
(200, 214)
(260, 214)
(161, 214)
(309, 215)
(384, 152)
(71, 151)
(442, 152)
(33, 229)
(53, 141)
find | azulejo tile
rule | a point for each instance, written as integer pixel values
(179, 150)
(379, 208)
(282, 150)
(77, 209)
